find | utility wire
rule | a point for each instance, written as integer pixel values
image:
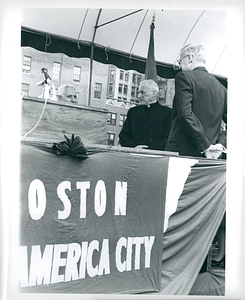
(190, 33)
(134, 12)
(81, 29)
(138, 32)
(219, 57)
(193, 27)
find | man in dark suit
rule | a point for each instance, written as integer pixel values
(199, 105)
(147, 125)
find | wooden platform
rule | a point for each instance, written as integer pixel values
(61, 118)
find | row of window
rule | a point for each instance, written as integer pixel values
(56, 72)
(123, 89)
(97, 90)
(97, 94)
(26, 68)
(112, 119)
(125, 76)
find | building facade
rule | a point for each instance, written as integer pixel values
(111, 88)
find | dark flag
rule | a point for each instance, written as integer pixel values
(150, 69)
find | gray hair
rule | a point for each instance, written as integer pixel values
(197, 50)
(151, 83)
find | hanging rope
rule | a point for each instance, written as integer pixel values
(46, 100)
(137, 35)
(107, 50)
(219, 57)
(81, 29)
(47, 41)
(190, 34)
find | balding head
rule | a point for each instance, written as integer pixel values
(67, 93)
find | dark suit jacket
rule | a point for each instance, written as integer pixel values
(199, 105)
(146, 128)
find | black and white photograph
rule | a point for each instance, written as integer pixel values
(120, 176)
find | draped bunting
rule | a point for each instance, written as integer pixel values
(38, 40)
(89, 225)
(191, 229)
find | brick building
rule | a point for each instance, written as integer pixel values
(111, 88)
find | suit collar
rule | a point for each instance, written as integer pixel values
(200, 69)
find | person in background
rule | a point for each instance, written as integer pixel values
(147, 125)
(68, 93)
(199, 105)
(47, 85)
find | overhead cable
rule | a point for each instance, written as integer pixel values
(219, 57)
(134, 12)
(138, 32)
(189, 34)
(81, 28)
(193, 27)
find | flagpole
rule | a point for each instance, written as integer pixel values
(150, 69)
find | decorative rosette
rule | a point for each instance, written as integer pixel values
(71, 147)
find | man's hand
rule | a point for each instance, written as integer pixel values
(214, 151)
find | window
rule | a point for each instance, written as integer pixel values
(56, 70)
(97, 90)
(76, 74)
(112, 74)
(122, 119)
(26, 67)
(112, 118)
(121, 74)
(24, 89)
(120, 88)
(125, 89)
(133, 91)
(139, 79)
(111, 138)
(134, 78)
(111, 89)
(126, 76)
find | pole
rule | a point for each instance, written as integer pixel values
(91, 59)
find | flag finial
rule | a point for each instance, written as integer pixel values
(153, 18)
